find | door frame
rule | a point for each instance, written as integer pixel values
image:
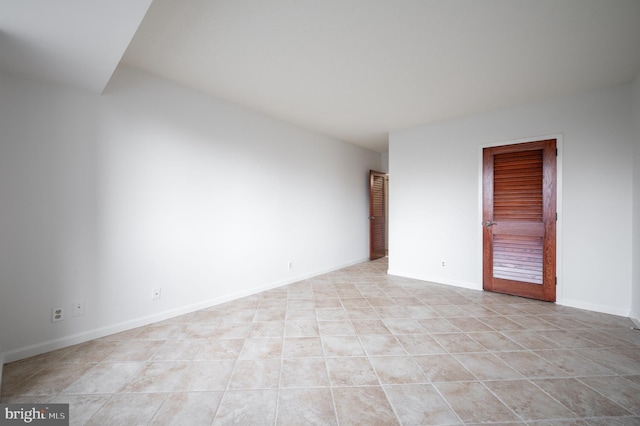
(385, 190)
(559, 146)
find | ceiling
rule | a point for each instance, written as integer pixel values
(74, 42)
(351, 69)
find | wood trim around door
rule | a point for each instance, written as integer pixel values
(377, 215)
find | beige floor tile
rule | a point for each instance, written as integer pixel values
(178, 350)
(50, 380)
(397, 370)
(333, 302)
(331, 314)
(420, 404)
(458, 343)
(619, 389)
(316, 352)
(158, 332)
(104, 378)
(267, 347)
(196, 331)
(500, 323)
(267, 329)
(478, 310)
(355, 302)
(301, 328)
(336, 328)
(495, 341)
(256, 374)
(421, 312)
(92, 351)
(205, 376)
(364, 327)
(302, 347)
(219, 349)
(298, 314)
(351, 371)
(270, 314)
(304, 372)
(342, 346)
(157, 377)
(446, 310)
(486, 366)
(619, 363)
(231, 331)
(611, 421)
(572, 363)
(531, 339)
(474, 403)
(367, 405)
(392, 312)
(187, 409)
(569, 339)
(530, 365)
(438, 325)
(299, 304)
(128, 409)
(580, 398)
(133, 350)
(306, 407)
(247, 407)
(330, 302)
(382, 345)
(443, 368)
(533, 323)
(420, 344)
(403, 326)
(16, 373)
(527, 401)
(362, 313)
(469, 324)
(81, 407)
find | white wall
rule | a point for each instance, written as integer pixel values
(635, 300)
(436, 207)
(153, 185)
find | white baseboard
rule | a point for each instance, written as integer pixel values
(74, 339)
(441, 280)
(593, 307)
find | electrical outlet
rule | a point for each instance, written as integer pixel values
(57, 314)
(78, 309)
(291, 264)
(443, 263)
(157, 292)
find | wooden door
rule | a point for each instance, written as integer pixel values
(377, 215)
(519, 219)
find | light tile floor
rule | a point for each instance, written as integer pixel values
(352, 347)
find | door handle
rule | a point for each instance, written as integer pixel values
(489, 223)
(371, 217)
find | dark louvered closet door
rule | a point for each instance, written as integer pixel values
(519, 217)
(377, 243)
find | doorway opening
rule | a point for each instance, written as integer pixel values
(519, 214)
(378, 215)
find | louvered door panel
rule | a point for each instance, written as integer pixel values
(518, 258)
(517, 197)
(517, 186)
